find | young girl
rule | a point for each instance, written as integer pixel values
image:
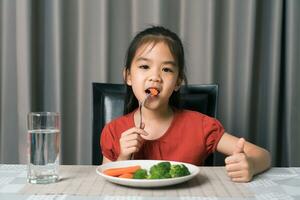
(155, 60)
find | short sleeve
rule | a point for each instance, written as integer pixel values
(107, 143)
(213, 131)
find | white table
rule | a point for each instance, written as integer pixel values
(82, 182)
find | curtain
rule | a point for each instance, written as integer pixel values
(52, 51)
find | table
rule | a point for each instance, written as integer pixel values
(82, 182)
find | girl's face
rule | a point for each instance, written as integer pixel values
(153, 67)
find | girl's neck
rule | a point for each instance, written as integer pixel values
(156, 121)
(157, 114)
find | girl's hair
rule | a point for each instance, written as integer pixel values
(154, 35)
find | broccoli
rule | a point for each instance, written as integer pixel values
(179, 170)
(160, 170)
(140, 174)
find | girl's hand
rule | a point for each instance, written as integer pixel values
(239, 167)
(131, 142)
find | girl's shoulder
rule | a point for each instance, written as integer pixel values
(191, 116)
(184, 113)
(199, 120)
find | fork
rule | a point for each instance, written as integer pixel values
(141, 104)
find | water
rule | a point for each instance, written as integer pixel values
(43, 156)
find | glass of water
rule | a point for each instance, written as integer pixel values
(44, 147)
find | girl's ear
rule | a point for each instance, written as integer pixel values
(127, 76)
(178, 84)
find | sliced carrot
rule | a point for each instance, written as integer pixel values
(121, 170)
(127, 175)
(153, 91)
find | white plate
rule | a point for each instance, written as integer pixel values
(145, 164)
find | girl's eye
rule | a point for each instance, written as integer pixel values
(143, 66)
(167, 69)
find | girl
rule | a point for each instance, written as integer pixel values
(155, 60)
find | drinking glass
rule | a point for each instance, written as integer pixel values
(44, 147)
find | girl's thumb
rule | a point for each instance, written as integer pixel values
(239, 148)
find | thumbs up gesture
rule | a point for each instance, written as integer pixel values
(239, 148)
(238, 166)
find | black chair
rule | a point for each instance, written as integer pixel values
(108, 103)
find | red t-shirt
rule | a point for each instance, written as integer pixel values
(191, 137)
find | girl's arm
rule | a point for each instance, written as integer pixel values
(245, 159)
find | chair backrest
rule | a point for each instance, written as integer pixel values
(108, 103)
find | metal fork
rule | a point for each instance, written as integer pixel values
(141, 104)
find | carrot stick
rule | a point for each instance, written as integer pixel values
(127, 175)
(121, 170)
(153, 91)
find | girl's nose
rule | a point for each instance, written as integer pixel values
(155, 77)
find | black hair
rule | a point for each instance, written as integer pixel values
(154, 35)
